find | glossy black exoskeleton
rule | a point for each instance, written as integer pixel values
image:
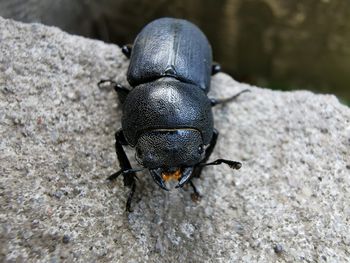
(167, 116)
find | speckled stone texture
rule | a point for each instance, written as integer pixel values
(288, 203)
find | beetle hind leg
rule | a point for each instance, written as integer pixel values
(126, 49)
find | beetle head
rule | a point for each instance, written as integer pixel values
(166, 152)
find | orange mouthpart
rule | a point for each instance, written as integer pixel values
(171, 176)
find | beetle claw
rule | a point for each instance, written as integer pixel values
(235, 165)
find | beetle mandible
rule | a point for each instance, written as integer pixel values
(167, 115)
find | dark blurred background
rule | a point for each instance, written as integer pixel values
(279, 44)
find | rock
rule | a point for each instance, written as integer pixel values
(57, 148)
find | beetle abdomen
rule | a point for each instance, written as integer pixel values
(166, 104)
(171, 47)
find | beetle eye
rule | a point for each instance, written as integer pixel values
(200, 149)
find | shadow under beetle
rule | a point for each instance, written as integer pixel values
(167, 116)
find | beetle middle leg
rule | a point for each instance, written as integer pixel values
(126, 169)
(120, 89)
(215, 102)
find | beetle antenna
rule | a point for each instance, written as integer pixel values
(125, 172)
(232, 164)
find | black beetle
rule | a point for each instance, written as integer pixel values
(167, 115)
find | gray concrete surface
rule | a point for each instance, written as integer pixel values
(288, 203)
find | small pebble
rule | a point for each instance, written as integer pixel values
(278, 248)
(65, 239)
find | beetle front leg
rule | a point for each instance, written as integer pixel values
(131, 194)
(198, 169)
(195, 195)
(122, 158)
(126, 169)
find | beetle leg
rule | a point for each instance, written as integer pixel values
(125, 172)
(123, 158)
(198, 169)
(120, 89)
(129, 177)
(232, 164)
(126, 49)
(215, 102)
(215, 68)
(122, 92)
(130, 196)
(195, 195)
